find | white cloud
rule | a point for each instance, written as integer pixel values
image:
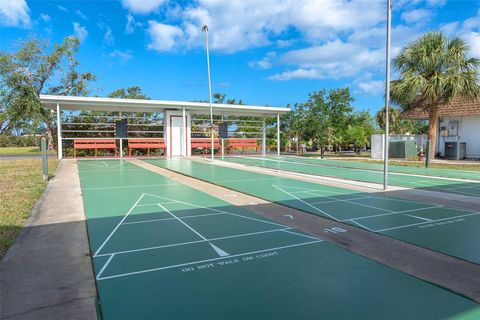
(468, 30)
(81, 15)
(417, 15)
(14, 13)
(62, 8)
(80, 31)
(45, 17)
(436, 3)
(142, 6)
(372, 87)
(122, 56)
(296, 74)
(265, 63)
(108, 38)
(129, 27)
(164, 37)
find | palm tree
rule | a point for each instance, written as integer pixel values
(433, 70)
(393, 117)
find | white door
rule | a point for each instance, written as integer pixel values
(177, 145)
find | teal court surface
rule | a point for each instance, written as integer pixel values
(163, 250)
(366, 172)
(436, 227)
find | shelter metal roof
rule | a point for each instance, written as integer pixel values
(138, 105)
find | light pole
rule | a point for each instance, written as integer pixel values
(387, 97)
(205, 29)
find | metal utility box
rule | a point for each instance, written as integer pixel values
(402, 149)
(455, 150)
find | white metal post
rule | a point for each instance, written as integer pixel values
(223, 140)
(184, 128)
(278, 134)
(59, 132)
(387, 96)
(264, 138)
(205, 29)
(121, 139)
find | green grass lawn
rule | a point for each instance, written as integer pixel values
(21, 186)
(12, 151)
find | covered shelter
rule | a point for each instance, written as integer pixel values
(179, 125)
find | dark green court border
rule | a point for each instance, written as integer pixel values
(364, 175)
(434, 172)
(439, 228)
(291, 275)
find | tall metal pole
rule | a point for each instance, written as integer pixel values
(205, 29)
(59, 132)
(387, 97)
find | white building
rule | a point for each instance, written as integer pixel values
(458, 123)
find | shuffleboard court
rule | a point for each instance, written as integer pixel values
(364, 175)
(162, 250)
(342, 163)
(440, 228)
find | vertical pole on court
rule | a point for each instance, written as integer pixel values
(184, 130)
(43, 147)
(59, 132)
(387, 96)
(121, 138)
(205, 29)
(264, 137)
(278, 134)
(427, 155)
(223, 140)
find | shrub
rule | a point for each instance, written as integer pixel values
(19, 141)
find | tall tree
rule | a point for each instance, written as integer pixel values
(434, 69)
(33, 70)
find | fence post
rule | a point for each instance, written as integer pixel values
(43, 146)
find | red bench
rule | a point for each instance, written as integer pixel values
(148, 144)
(205, 144)
(243, 143)
(94, 144)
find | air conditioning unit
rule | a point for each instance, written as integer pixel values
(455, 150)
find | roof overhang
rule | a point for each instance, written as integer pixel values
(137, 105)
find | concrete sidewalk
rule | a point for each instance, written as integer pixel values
(47, 273)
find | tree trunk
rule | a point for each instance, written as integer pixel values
(298, 145)
(432, 129)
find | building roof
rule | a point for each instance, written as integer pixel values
(458, 107)
(137, 105)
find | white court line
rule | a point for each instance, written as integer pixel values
(419, 223)
(183, 222)
(358, 204)
(213, 209)
(246, 180)
(118, 225)
(392, 213)
(299, 234)
(127, 187)
(105, 266)
(184, 217)
(308, 204)
(154, 204)
(361, 225)
(421, 218)
(341, 200)
(206, 260)
(191, 242)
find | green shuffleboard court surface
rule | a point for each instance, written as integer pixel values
(317, 167)
(162, 250)
(434, 172)
(443, 229)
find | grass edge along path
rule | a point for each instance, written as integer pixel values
(22, 185)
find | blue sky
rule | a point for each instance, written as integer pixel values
(266, 52)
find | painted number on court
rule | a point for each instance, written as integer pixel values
(334, 230)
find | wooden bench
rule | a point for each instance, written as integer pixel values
(205, 144)
(94, 144)
(139, 143)
(243, 143)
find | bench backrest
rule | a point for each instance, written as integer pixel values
(233, 142)
(94, 141)
(151, 142)
(204, 142)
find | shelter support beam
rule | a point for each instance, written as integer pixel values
(59, 132)
(264, 137)
(278, 134)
